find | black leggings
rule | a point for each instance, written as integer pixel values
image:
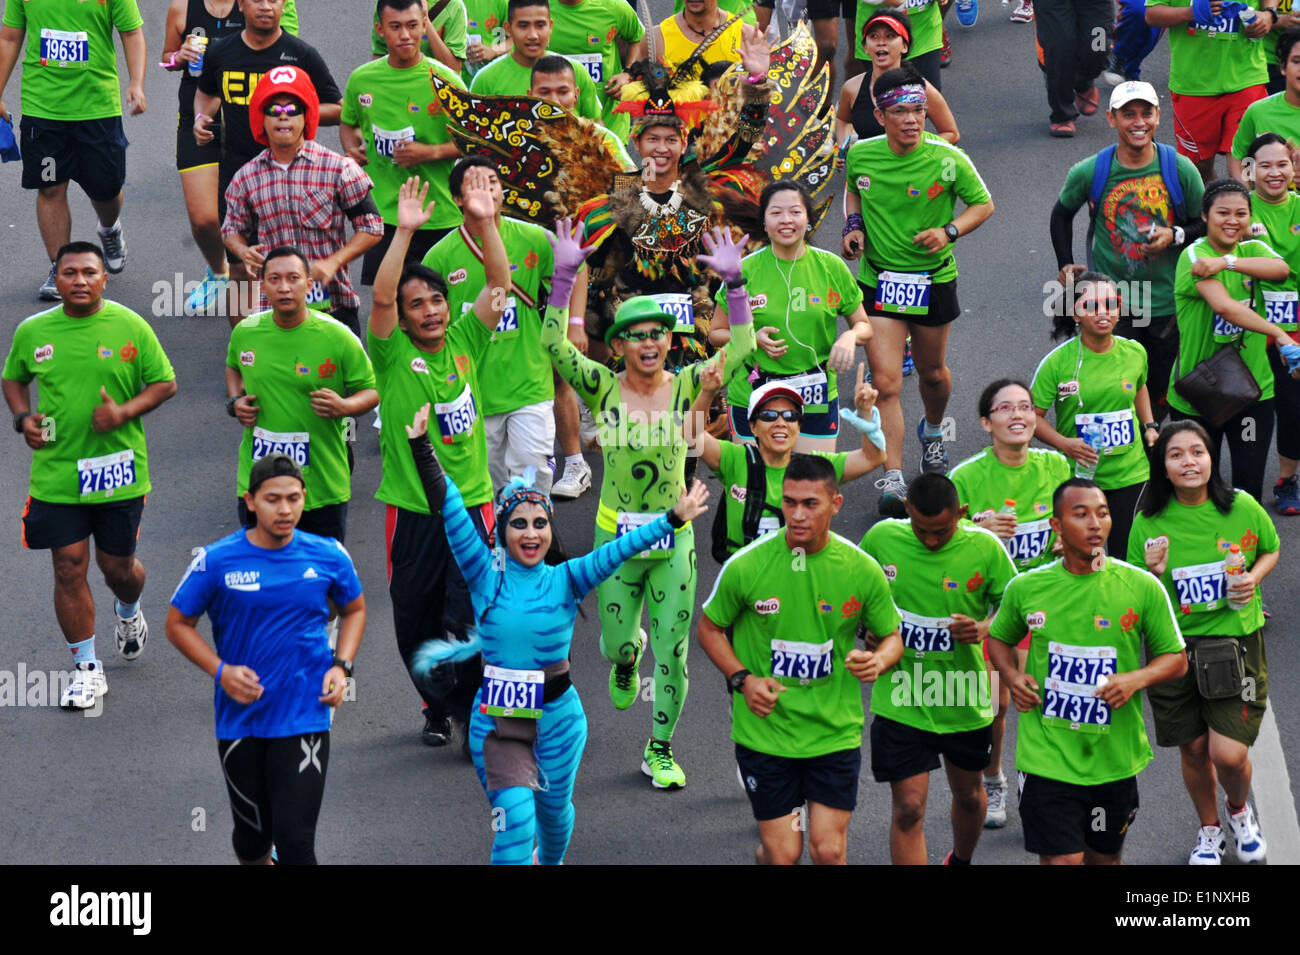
(275, 788)
(1286, 398)
(1123, 505)
(1249, 436)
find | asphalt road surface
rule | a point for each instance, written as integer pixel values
(141, 782)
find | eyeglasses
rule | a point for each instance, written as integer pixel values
(771, 414)
(283, 109)
(1007, 407)
(654, 334)
(521, 523)
(1093, 306)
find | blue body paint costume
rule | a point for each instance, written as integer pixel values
(525, 620)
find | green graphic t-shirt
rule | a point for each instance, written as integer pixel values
(798, 628)
(1205, 61)
(803, 300)
(1199, 538)
(1098, 388)
(939, 685)
(1281, 224)
(388, 106)
(282, 367)
(70, 360)
(1083, 627)
(1133, 201)
(986, 484)
(588, 33)
(70, 62)
(448, 378)
(733, 471)
(505, 77)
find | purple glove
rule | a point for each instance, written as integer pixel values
(569, 256)
(724, 255)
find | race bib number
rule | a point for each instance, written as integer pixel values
(296, 446)
(387, 139)
(811, 386)
(456, 418)
(628, 522)
(318, 298)
(1200, 587)
(593, 63)
(801, 664)
(1280, 308)
(1115, 428)
(1223, 29)
(106, 474)
(906, 293)
(512, 692)
(925, 635)
(1073, 676)
(1223, 330)
(680, 307)
(507, 324)
(1029, 540)
(63, 46)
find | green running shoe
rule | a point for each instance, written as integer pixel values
(657, 762)
(624, 681)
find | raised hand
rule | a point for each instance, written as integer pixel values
(724, 254)
(569, 253)
(691, 504)
(411, 211)
(420, 423)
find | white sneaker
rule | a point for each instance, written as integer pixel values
(88, 684)
(1248, 840)
(576, 479)
(996, 789)
(131, 636)
(1209, 847)
(114, 246)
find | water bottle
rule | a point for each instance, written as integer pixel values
(1234, 565)
(1092, 436)
(199, 43)
(1008, 508)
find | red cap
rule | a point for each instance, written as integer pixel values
(283, 79)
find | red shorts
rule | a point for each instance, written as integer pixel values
(1204, 125)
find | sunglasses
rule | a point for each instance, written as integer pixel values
(654, 334)
(771, 414)
(521, 523)
(284, 109)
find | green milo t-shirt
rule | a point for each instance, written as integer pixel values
(1133, 201)
(1083, 627)
(986, 484)
(733, 471)
(588, 33)
(1281, 222)
(1199, 538)
(904, 195)
(70, 62)
(939, 684)
(798, 627)
(1098, 388)
(70, 360)
(388, 105)
(1272, 114)
(486, 24)
(448, 379)
(803, 300)
(1210, 62)
(515, 363)
(1201, 332)
(505, 77)
(924, 19)
(451, 26)
(282, 367)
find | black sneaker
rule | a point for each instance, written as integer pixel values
(114, 247)
(436, 732)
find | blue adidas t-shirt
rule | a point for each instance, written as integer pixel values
(268, 612)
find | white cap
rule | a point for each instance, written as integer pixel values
(770, 390)
(1130, 90)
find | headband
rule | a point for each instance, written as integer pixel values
(909, 94)
(518, 491)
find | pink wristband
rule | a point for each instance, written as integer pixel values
(579, 321)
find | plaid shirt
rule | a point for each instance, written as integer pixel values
(301, 206)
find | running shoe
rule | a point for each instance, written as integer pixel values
(624, 681)
(206, 292)
(87, 685)
(996, 789)
(909, 366)
(1247, 839)
(576, 480)
(131, 635)
(934, 451)
(1087, 101)
(968, 11)
(49, 291)
(1063, 130)
(657, 762)
(945, 52)
(587, 430)
(436, 732)
(1114, 73)
(1287, 492)
(1209, 848)
(1024, 12)
(893, 492)
(111, 241)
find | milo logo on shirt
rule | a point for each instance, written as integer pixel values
(758, 301)
(738, 493)
(891, 572)
(365, 99)
(460, 275)
(1066, 388)
(419, 367)
(43, 353)
(246, 358)
(1036, 620)
(769, 606)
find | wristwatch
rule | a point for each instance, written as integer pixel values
(737, 680)
(950, 230)
(1180, 235)
(344, 665)
(230, 404)
(1230, 263)
(1151, 426)
(19, 418)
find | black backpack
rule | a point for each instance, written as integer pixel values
(755, 502)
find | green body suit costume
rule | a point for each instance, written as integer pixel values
(645, 466)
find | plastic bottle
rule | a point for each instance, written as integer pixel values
(1234, 565)
(1091, 435)
(1008, 508)
(199, 43)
